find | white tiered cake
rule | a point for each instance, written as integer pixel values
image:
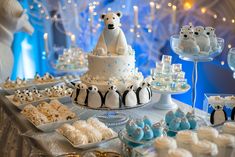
(112, 80)
(104, 71)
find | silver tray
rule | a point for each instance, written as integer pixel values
(89, 145)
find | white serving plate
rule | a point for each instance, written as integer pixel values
(157, 90)
(89, 145)
(50, 127)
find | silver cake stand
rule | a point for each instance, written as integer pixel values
(195, 58)
(112, 117)
(165, 102)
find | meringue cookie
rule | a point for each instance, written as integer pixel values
(204, 147)
(226, 144)
(108, 133)
(185, 139)
(207, 133)
(179, 152)
(229, 128)
(163, 144)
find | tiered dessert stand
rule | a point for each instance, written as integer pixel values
(171, 78)
(195, 58)
(231, 60)
(165, 102)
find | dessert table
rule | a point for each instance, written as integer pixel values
(21, 138)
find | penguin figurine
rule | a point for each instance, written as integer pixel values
(129, 97)
(143, 93)
(233, 114)
(112, 98)
(218, 115)
(94, 97)
(80, 93)
(150, 89)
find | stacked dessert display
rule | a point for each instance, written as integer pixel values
(196, 44)
(72, 59)
(168, 79)
(112, 80)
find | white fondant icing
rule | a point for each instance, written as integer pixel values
(110, 66)
(112, 98)
(130, 98)
(94, 98)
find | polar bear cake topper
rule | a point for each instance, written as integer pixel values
(112, 40)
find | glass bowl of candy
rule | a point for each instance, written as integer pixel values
(231, 60)
(177, 120)
(141, 131)
(197, 43)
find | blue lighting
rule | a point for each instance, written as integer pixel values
(30, 55)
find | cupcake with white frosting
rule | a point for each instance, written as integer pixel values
(225, 144)
(207, 133)
(186, 138)
(164, 144)
(179, 152)
(229, 128)
(204, 148)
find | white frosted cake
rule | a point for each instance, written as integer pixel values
(113, 69)
(112, 80)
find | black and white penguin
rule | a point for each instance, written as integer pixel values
(94, 97)
(79, 93)
(218, 115)
(233, 114)
(129, 97)
(112, 98)
(143, 93)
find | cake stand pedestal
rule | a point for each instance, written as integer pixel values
(165, 102)
(195, 58)
(112, 117)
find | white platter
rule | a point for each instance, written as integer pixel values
(89, 145)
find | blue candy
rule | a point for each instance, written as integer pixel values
(184, 125)
(140, 123)
(157, 130)
(192, 122)
(179, 113)
(138, 134)
(175, 124)
(131, 127)
(148, 133)
(147, 121)
(169, 117)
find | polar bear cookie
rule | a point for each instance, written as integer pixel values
(112, 39)
(202, 39)
(212, 36)
(187, 42)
